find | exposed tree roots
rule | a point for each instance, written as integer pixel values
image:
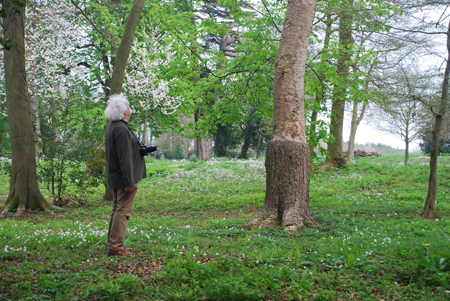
(260, 223)
(20, 204)
(338, 162)
(430, 214)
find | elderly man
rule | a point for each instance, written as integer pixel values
(126, 167)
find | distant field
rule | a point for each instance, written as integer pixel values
(188, 231)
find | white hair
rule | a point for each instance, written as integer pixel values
(116, 107)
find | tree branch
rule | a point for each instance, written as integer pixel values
(84, 46)
(92, 23)
(416, 31)
(273, 21)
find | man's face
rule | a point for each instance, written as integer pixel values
(127, 113)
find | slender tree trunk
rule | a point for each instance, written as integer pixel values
(121, 63)
(407, 143)
(351, 140)
(258, 151)
(34, 102)
(125, 47)
(354, 126)
(247, 136)
(24, 190)
(357, 120)
(334, 157)
(406, 151)
(429, 209)
(287, 155)
(144, 138)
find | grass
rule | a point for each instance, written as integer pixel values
(187, 228)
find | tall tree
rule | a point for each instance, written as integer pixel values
(356, 120)
(120, 64)
(287, 156)
(125, 47)
(223, 64)
(340, 89)
(150, 93)
(24, 190)
(399, 111)
(52, 33)
(429, 208)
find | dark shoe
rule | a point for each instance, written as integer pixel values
(128, 249)
(119, 252)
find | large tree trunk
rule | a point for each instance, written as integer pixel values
(248, 131)
(202, 149)
(24, 190)
(287, 156)
(121, 63)
(201, 144)
(244, 148)
(334, 157)
(429, 208)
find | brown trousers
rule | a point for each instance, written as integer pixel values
(122, 206)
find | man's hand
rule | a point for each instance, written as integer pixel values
(129, 189)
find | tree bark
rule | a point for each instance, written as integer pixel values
(429, 209)
(335, 157)
(287, 155)
(357, 120)
(406, 151)
(125, 47)
(354, 126)
(244, 148)
(201, 144)
(24, 191)
(407, 144)
(121, 63)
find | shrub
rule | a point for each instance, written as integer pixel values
(193, 158)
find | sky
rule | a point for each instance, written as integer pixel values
(369, 134)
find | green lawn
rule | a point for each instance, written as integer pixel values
(188, 231)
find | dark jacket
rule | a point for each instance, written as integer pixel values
(125, 164)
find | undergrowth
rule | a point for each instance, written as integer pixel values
(188, 231)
